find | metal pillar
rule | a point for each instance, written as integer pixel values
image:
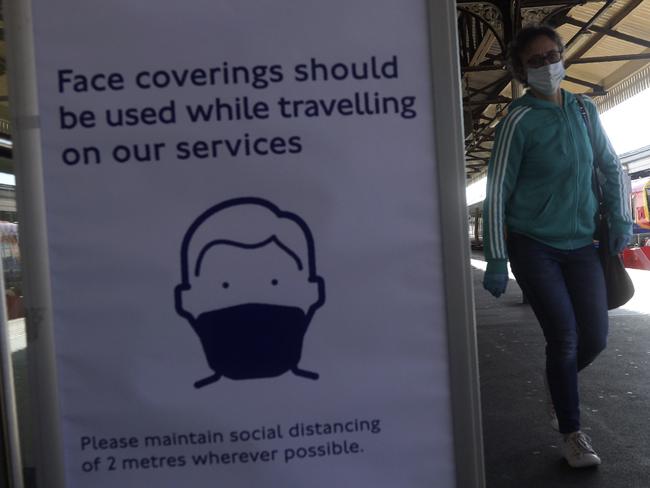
(517, 89)
(10, 462)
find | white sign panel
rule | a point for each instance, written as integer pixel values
(241, 205)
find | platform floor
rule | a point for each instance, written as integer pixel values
(521, 449)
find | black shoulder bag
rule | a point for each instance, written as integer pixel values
(619, 285)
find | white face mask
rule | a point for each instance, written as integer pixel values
(547, 78)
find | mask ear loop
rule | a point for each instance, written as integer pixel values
(207, 381)
(304, 373)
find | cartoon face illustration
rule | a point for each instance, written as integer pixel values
(249, 288)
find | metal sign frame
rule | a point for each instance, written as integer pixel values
(448, 135)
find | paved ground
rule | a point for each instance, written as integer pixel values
(521, 449)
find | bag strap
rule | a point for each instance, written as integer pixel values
(587, 121)
(585, 115)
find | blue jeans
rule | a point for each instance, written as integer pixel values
(566, 290)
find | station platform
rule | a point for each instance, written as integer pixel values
(521, 448)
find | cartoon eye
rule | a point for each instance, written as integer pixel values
(225, 285)
(274, 282)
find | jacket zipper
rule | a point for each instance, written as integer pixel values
(574, 223)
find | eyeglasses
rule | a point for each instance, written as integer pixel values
(539, 60)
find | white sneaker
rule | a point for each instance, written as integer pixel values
(578, 452)
(550, 409)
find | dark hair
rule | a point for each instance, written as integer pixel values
(521, 42)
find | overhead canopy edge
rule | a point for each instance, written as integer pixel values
(624, 90)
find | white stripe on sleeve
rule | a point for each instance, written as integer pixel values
(497, 241)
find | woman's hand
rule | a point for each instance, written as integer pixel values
(495, 283)
(618, 243)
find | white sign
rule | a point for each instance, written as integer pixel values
(241, 203)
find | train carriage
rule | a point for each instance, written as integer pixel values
(640, 196)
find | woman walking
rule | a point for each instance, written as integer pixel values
(540, 213)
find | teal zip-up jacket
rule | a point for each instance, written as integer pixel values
(540, 178)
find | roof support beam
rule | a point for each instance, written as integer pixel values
(489, 101)
(472, 147)
(609, 32)
(479, 91)
(494, 67)
(624, 12)
(484, 47)
(480, 136)
(590, 22)
(549, 3)
(595, 87)
(609, 59)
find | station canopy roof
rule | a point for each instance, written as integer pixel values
(607, 57)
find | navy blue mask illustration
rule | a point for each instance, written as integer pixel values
(249, 289)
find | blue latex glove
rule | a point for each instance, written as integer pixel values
(618, 242)
(495, 283)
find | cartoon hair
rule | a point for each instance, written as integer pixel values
(248, 223)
